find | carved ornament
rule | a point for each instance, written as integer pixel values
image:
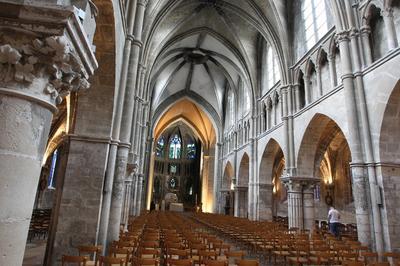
(50, 58)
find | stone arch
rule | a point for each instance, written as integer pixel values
(388, 170)
(390, 129)
(229, 174)
(244, 170)
(242, 187)
(373, 19)
(319, 127)
(325, 75)
(325, 154)
(271, 167)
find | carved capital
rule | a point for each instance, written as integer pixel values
(387, 12)
(143, 3)
(25, 61)
(353, 32)
(366, 29)
(44, 54)
(342, 36)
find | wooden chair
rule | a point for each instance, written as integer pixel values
(394, 256)
(121, 253)
(231, 256)
(247, 262)
(92, 252)
(109, 261)
(148, 253)
(144, 261)
(352, 263)
(369, 257)
(216, 263)
(76, 260)
(207, 255)
(179, 262)
(177, 253)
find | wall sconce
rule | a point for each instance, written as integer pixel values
(329, 187)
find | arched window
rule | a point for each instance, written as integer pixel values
(51, 182)
(191, 151)
(272, 68)
(160, 147)
(315, 20)
(175, 147)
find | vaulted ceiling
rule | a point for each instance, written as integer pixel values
(202, 48)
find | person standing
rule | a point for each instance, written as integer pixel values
(334, 221)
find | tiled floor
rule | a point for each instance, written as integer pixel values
(34, 253)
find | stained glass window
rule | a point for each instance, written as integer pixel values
(175, 147)
(191, 151)
(160, 148)
(51, 180)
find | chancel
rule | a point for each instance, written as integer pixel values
(199, 132)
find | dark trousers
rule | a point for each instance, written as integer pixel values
(334, 229)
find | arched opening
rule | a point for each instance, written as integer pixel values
(378, 38)
(227, 190)
(324, 73)
(242, 187)
(301, 97)
(325, 154)
(177, 168)
(183, 159)
(272, 194)
(388, 169)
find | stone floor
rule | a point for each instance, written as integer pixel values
(34, 253)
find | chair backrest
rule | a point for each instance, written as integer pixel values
(235, 254)
(181, 253)
(247, 262)
(110, 261)
(145, 261)
(91, 251)
(77, 260)
(216, 262)
(179, 262)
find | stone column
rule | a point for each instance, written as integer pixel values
(359, 182)
(319, 80)
(307, 89)
(332, 70)
(297, 97)
(126, 122)
(285, 119)
(275, 100)
(387, 15)
(266, 201)
(37, 68)
(117, 118)
(365, 35)
(361, 203)
(132, 210)
(268, 111)
(127, 200)
(262, 120)
(295, 204)
(236, 202)
(308, 203)
(139, 195)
